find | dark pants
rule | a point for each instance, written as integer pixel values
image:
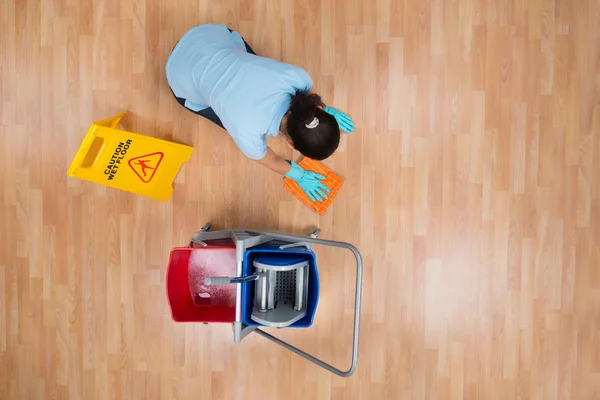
(209, 113)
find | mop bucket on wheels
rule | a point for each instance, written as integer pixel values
(254, 279)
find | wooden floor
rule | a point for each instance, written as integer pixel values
(472, 190)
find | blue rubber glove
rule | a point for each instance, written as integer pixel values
(309, 182)
(344, 121)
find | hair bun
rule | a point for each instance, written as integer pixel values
(304, 105)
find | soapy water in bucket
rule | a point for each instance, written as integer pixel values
(204, 264)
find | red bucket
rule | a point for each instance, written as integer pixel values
(189, 298)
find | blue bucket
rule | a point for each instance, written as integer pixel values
(285, 257)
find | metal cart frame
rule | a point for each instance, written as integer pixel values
(246, 239)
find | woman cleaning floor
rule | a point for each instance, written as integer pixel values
(214, 73)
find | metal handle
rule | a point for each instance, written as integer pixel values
(217, 280)
(226, 280)
(357, 303)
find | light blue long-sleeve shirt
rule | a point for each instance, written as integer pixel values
(210, 67)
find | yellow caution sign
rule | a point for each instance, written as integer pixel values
(128, 161)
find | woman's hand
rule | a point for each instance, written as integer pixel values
(344, 121)
(309, 182)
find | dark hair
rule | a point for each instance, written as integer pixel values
(317, 143)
